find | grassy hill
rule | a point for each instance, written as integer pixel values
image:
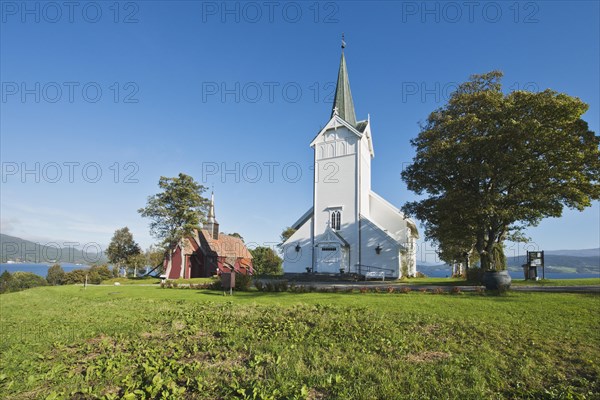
(16, 249)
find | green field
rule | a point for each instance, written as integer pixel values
(148, 342)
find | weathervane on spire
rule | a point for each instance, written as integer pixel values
(343, 42)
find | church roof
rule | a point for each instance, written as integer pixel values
(226, 246)
(342, 102)
(305, 217)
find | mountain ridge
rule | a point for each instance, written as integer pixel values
(13, 248)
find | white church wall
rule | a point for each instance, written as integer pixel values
(297, 261)
(365, 176)
(335, 184)
(388, 217)
(389, 257)
(336, 190)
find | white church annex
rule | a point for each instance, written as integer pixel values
(349, 229)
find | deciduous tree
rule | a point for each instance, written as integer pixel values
(55, 275)
(177, 210)
(492, 164)
(122, 247)
(266, 261)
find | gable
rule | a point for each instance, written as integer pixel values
(389, 217)
(330, 236)
(380, 232)
(338, 130)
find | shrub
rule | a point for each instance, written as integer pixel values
(390, 289)
(243, 282)
(282, 286)
(25, 280)
(259, 285)
(215, 284)
(5, 281)
(420, 275)
(423, 290)
(438, 290)
(364, 290)
(77, 276)
(405, 289)
(55, 275)
(94, 278)
(103, 271)
(456, 290)
(269, 287)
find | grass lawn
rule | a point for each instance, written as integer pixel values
(516, 282)
(153, 281)
(558, 282)
(147, 342)
(132, 281)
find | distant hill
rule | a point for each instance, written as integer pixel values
(575, 253)
(20, 250)
(566, 261)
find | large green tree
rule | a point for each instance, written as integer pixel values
(155, 256)
(266, 261)
(177, 210)
(122, 247)
(55, 275)
(136, 262)
(491, 164)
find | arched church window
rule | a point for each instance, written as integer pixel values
(336, 220)
(331, 150)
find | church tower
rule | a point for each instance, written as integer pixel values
(212, 225)
(349, 228)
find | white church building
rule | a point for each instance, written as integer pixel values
(350, 228)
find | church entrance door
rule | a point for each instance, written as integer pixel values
(329, 258)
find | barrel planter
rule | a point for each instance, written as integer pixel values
(494, 280)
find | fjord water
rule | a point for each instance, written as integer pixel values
(42, 270)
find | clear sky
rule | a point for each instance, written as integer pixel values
(99, 99)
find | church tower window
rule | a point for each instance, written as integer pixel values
(336, 220)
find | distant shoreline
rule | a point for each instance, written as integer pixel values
(41, 269)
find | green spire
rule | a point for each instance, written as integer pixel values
(342, 103)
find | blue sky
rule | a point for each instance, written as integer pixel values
(233, 93)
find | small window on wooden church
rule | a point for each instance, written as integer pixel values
(336, 219)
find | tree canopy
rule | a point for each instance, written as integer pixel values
(177, 210)
(266, 261)
(492, 164)
(285, 235)
(55, 275)
(122, 247)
